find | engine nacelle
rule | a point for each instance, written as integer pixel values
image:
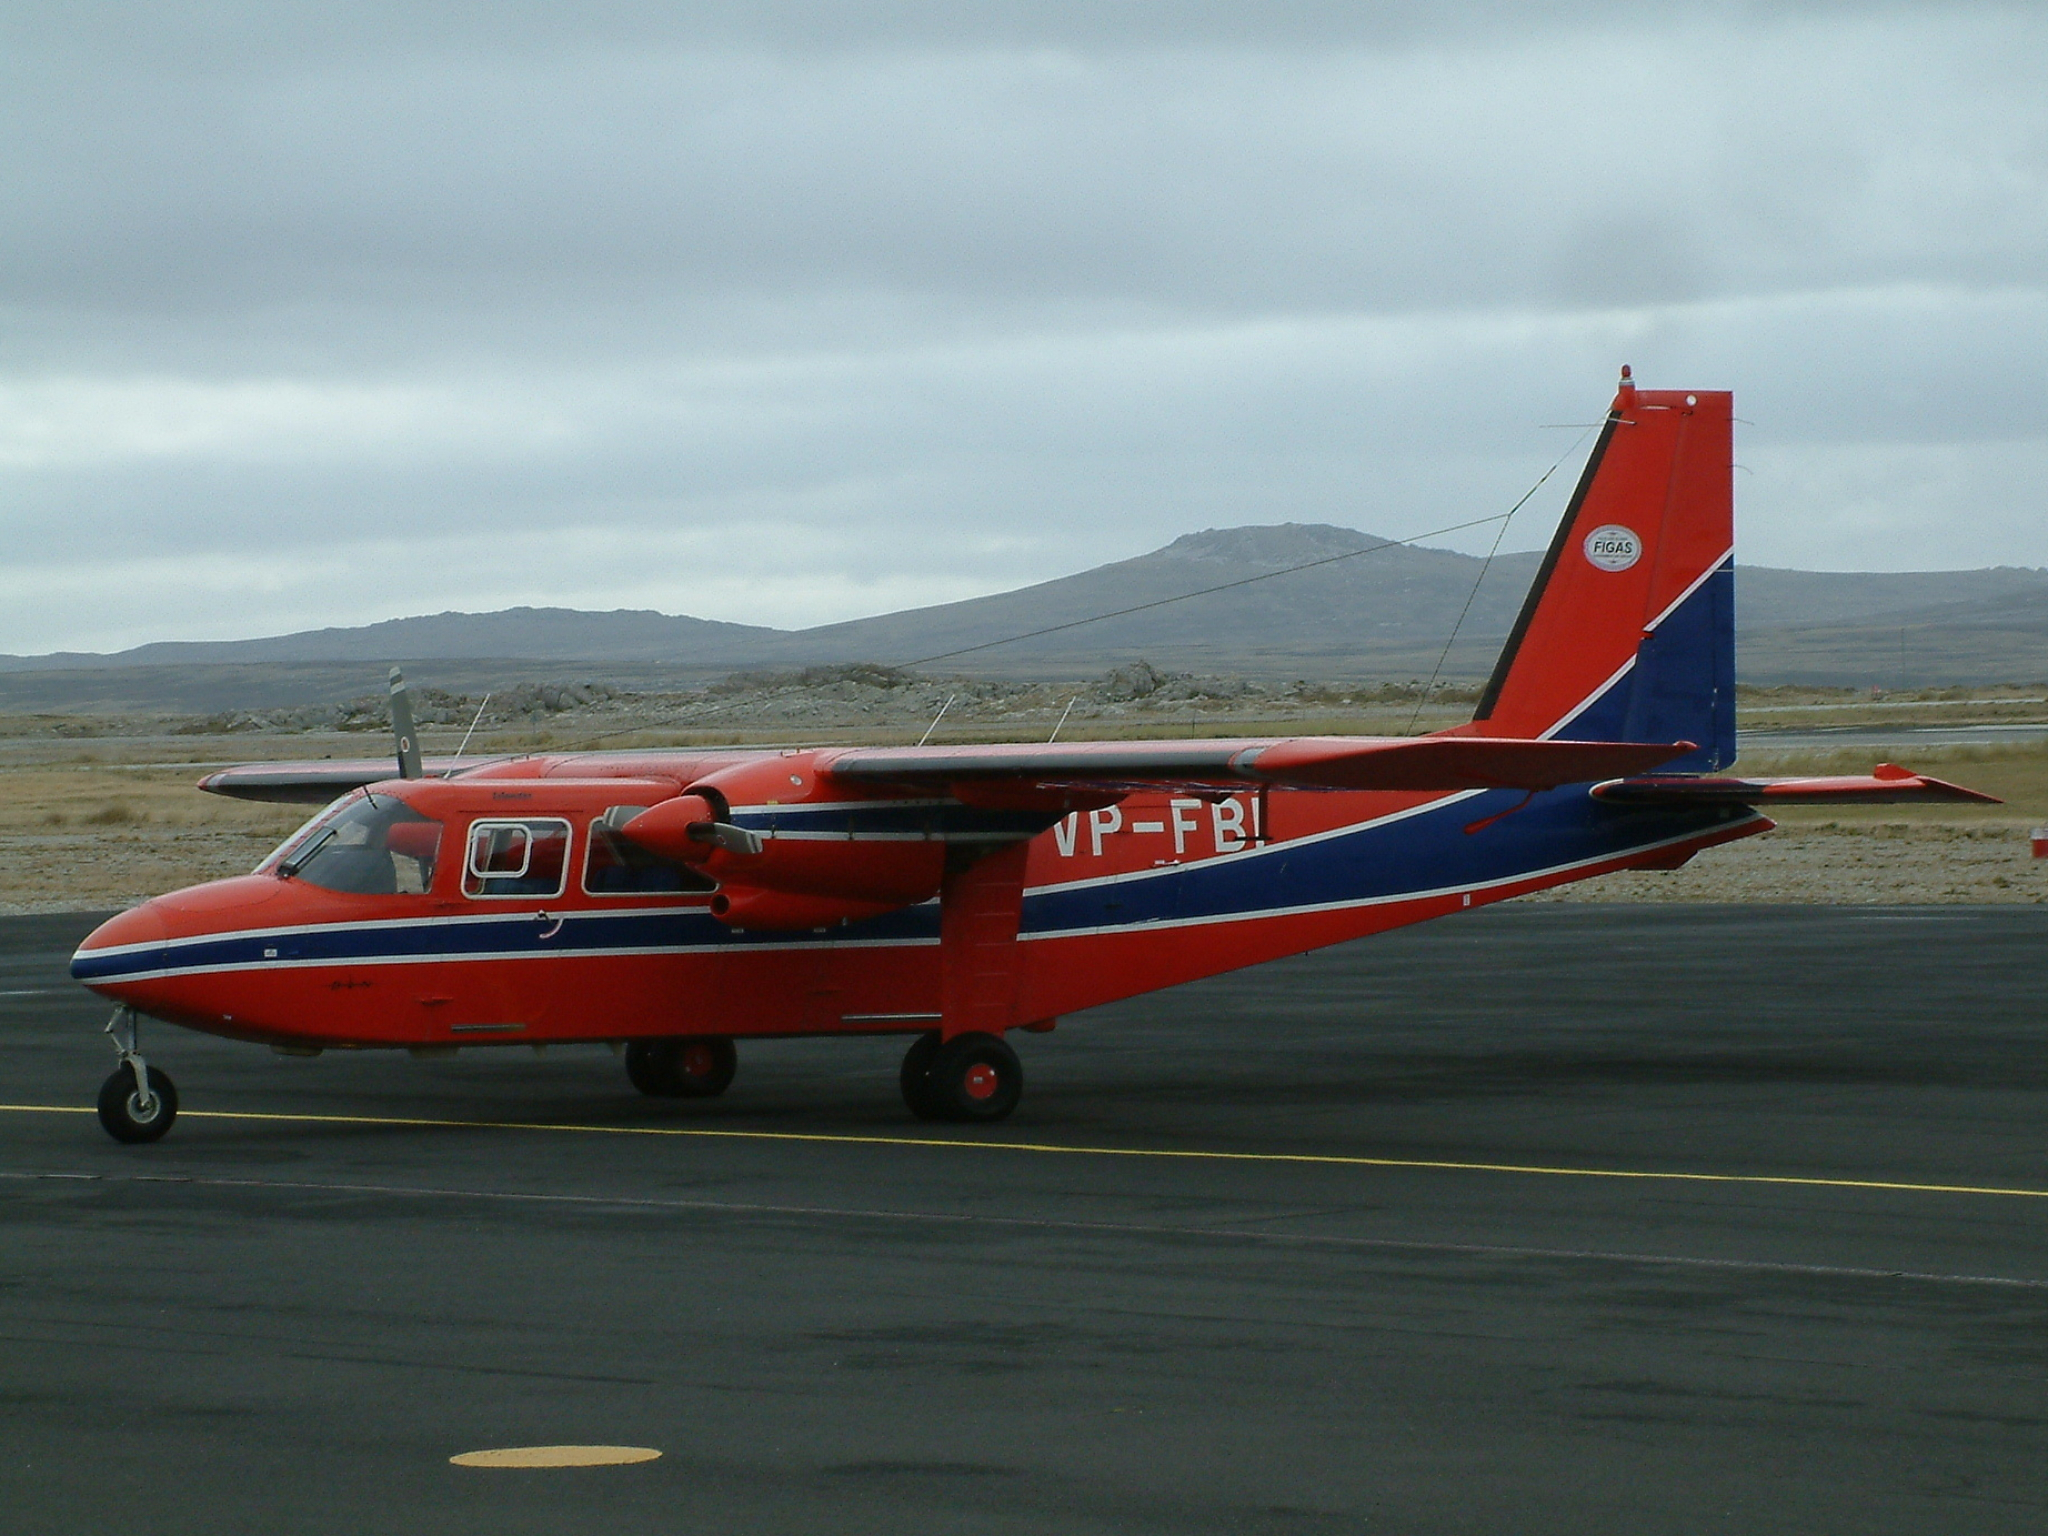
(886, 874)
(780, 911)
(771, 826)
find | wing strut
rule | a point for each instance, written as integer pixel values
(981, 908)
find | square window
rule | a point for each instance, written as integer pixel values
(516, 858)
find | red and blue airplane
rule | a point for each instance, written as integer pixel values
(673, 902)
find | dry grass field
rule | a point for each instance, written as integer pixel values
(84, 837)
(102, 821)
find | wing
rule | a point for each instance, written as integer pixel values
(318, 782)
(1415, 763)
(1412, 763)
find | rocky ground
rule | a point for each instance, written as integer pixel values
(875, 701)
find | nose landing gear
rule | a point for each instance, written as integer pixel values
(139, 1102)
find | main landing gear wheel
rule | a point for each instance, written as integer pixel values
(974, 1078)
(698, 1067)
(130, 1113)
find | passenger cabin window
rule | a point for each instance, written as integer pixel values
(612, 866)
(376, 846)
(516, 858)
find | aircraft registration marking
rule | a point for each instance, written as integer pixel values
(1057, 1149)
(1233, 825)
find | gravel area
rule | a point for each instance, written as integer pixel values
(95, 869)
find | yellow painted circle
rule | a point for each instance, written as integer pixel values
(557, 1456)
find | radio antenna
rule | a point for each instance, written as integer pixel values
(1055, 736)
(927, 736)
(472, 728)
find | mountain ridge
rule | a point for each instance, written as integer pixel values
(1364, 605)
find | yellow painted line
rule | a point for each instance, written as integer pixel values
(557, 1456)
(1325, 1159)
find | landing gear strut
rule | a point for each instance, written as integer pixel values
(975, 1078)
(139, 1102)
(689, 1068)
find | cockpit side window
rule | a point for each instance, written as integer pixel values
(612, 866)
(529, 857)
(373, 846)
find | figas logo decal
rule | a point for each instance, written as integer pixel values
(1613, 547)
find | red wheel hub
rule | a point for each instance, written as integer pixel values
(981, 1082)
(698, 1060)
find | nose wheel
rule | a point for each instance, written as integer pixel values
(138, 1102)
(972, 1078)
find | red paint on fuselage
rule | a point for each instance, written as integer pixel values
(781, 984)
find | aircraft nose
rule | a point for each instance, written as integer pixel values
(125, 946)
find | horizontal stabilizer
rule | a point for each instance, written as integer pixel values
(1424, 764)
(1887, 784)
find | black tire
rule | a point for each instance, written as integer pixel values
(690, 1068)
(916, 1077)
(649, 1067)
(975, 1078)
(121, 1111)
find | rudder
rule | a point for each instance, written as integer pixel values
(1628, 632)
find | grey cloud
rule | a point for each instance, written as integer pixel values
(856, 296)
(1645, 166)
(217, 37)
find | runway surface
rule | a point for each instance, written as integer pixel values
(1554, 1218)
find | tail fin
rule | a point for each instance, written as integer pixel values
(1628, 633)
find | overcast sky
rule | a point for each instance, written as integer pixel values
(789, 313)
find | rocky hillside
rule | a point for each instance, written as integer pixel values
(1296, 599)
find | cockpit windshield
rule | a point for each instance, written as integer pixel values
(372, 846)
(306, 829)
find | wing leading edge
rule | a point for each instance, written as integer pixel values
(1400, 763)
(1414, 764)
(317, 783)
(1422, 764)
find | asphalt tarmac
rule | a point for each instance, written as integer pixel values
(1543, 1219)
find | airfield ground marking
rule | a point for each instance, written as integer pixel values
(1190, 1154)
(557, 1456)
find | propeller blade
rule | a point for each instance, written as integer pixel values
(727, 836)
(402, 728)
